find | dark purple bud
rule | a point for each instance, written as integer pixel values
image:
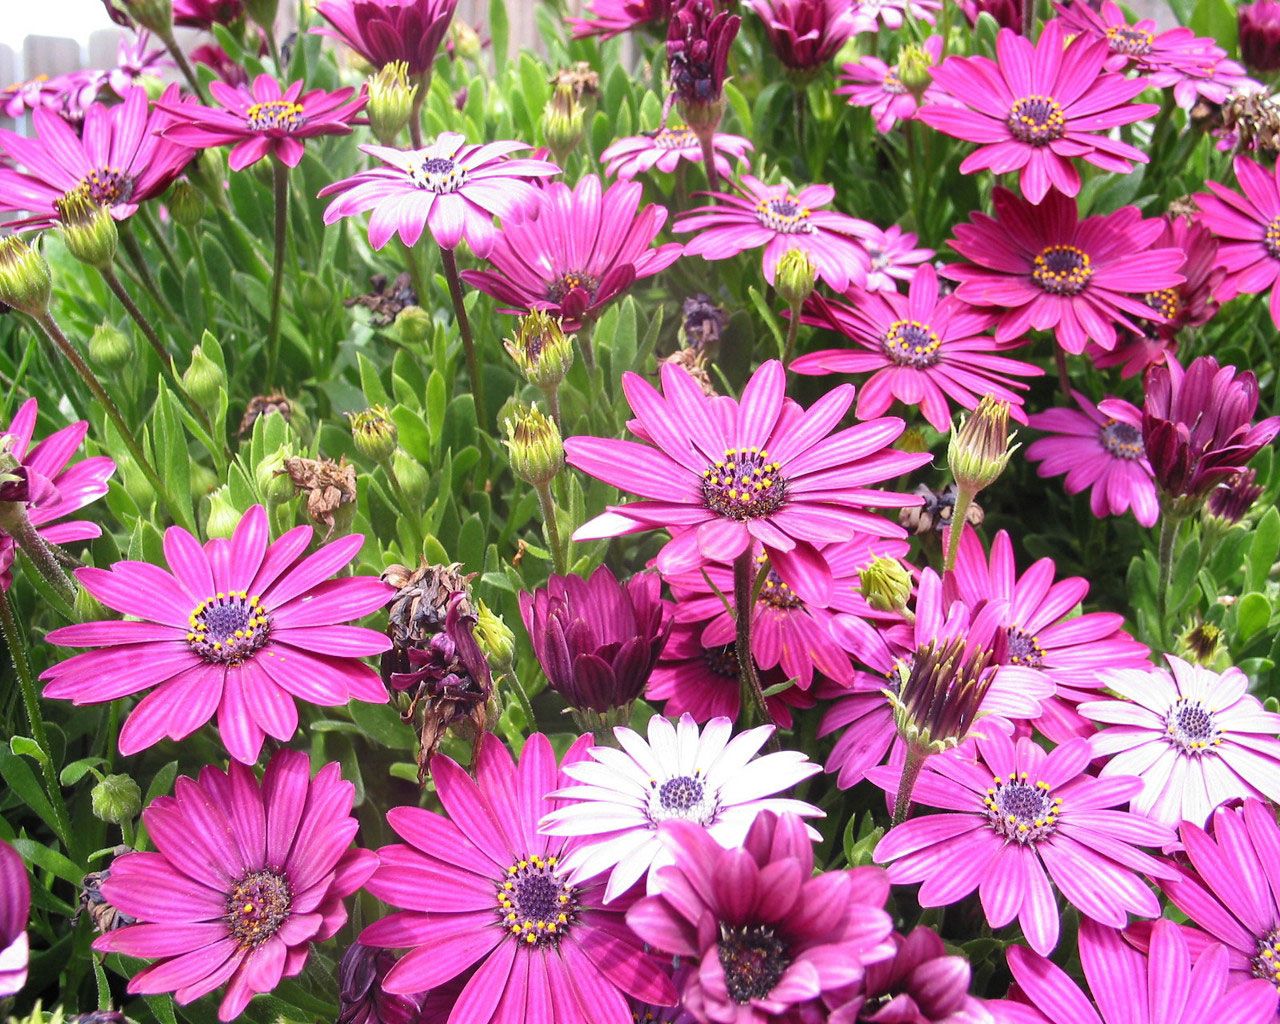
(1259, 25)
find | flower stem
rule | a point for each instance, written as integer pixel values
(143, 270)
(280, 181)
(1169, 524)
(906, 785)
(1028, 18)
(180, 58)
(414, 267)
(707, 139)
(1064, 377)
(464, 327)
(959, 515)
(17, 524)
(752, 695)
(135, 313)
(793, 331)
(415, 113)
(547, 503)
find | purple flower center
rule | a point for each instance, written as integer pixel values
(1024, 649)
(1022, 811)
(1132, 42)
(107, 186)
(228, 628)
(723, 661)
(683, 798)
(776, 593)
(1167, 302)
(1062, 269)
(878, 258)
(1266, 964)
(257, 907)
(1121, 440)
(911, 343)
(438, 174)
(1037, 120)
(1271, 240)
(675, 138)
(753, 959)
(568, 282)
(785, 216)
(1190, 726)
(745, 484)
(534, 905)
(893, 84)
(274, 116)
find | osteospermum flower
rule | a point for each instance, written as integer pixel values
(869, 15)
(453, 188)
(244, 878)
(870, 82)
(777, 219)
(204, 14)
(611, 18)
(1046, 269)
(920, 348)
(238, 628)
(1249, 229)
(892, 256)
(759, 469)
(384, 31)
(575, 250)
(262, 120)
(15, 906)
(664, 149)
(1015, 819)
(1038, 108)
(482, 888)
(620, 801)
(805, 34)
(1197, 738)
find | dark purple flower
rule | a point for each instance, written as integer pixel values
(382, 31)
(362, 999)
(15, 905)
(204, 14)
(1008, 13)
(805, 34)
(1232, 499)
(698, 42)
(1260, 34)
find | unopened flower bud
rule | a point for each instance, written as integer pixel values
(203, 480)
(563, 123)
(88, 608)
(203, 379)
(24, 277)
(116, 799)
(1259, 34)
(1231, 500)
(795, 277)
(535, 447)
(541, 350)
(224, 517)
(1201, 643)
(268, 474)
(466, 40)
(314, 294)
(110, 349)
(156, 15)
(391, 99)
(414, 325)
(913, 439)
(413, 478)
(493, 635)
(979, 449)
(186, 203)
(374, 433)
(88, 229)
(885, 584)
(915, 70)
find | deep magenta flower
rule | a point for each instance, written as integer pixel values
(361, 998)
(1197, 739)
(1259, 28)
(244, 878)
(1197, 425)
(1038, 108)
(15, 906)
(664, 149)
(869, 15)
(383, 31)
(805, 34)
(698, 40)
(1015, 819)
(214, 57)
(1249, 229)
(870, 82)
(204, 14)
(729, 473)
(893, 255)
(775, 218)
(482, 888)
(119, 158)
(920, 348)
(1046, 269)
(1100, 452)
(1193, 302)
(763, 935)
(136, 61)
(452, 187)
(237, 627)
(1007, 13)
(575, 250)
(611, 18)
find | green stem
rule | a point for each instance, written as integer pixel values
(415, 112)
(958, 516)
(523, 698)
(15, 522)
(755, 710)
(157, 236)
(180, 58)
(793, 331)
(141, 268)
(1169, 524)
(280, 182)
(414, 267)
(907, 784)
(707, 140)
(551, 527)
(464, 327)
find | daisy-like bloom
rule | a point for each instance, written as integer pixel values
(1140, 47)
(119, 158)
(575, 250)
(869, 15)
(68, 95)
(1196, 738)
(1039, 108)
(892, 256)
(451, 187)
(728, 473)
(699, 37)
(611, 18)
(805, 34)
(1046, 269)
(664, 149)
(263, 120)
(1249, 229)
(47, 487)
(777, 219)
(1101, 452)
(1017, 818)
(15, 906)
(1215, 79)
(870, 82)
(244, 878)
(482, 888)
(137, 61)
(204, 14)
(384, 31)
(239, 628)
(920, 349)
(1170, 984)
(620, 800)
(1135, 353)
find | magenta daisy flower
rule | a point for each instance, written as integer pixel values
(892, 256)
(239, 628)
(1170, 984)
(244, 878)
(1249, 229)
(762, 934)
(1016, 819)
(482, 889)
(575, 250)
(920, 349)
(869, 15)
(1101, 452)
(119, 158)
(872, 83)
(776, 219)
(1038, 108)
(1046, 269)
(620, 801)
(453, 188)
(383, 31)
(15, 906)
(728, 473)
(664, 149)
(609, 18)
(204, 14)
(1197, 739)
(136, 61)
(805, 34)
(262, 120)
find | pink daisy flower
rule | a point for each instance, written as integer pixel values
(1101, 452)
(451, 187)
(1197, 739)
(805, 34)
(611, 18)
(892, 256)
(15, 907)
(239, 628)
(262, 120)
(482, 888)
(1038, 108)
(729, 473)
(1249, 229)
(137, 60)
(777, 219)
(383, 31)
(872, 83)
(204, 14)
(921, 349)
(1139, 47)
(575, 250)
(1048, 270)
(664, 149)
(1016, 819)
(869, 15)
(1214, 78)
(244, 878)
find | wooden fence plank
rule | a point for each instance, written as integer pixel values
(50, 55)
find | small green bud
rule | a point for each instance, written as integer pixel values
(88, 229)
(913, 439)
(263, 12)
(374, 433)
(795, 277)
(315, 296)
(204, 379)
(885, 584)
(563, 122)
(535, 447)
(186, 203)
(979, 449)
(494, 636)
(110, 348)
(273, 484)
(88, 608)
(208, 173)
(24, 277)
(203, 480)
(224, 517)
(1201, 643)
(915, 69)
(413, 478)
(541, 350)
(414, 325)
(466, 40)
(391, 99)
(116, 799)
(156, 15)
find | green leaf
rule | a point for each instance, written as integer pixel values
(1252, 615)
(77, 770)
(25, 746)
(49, 859)
(1263, 550)
(499, 32)
(767, 315)
(1218, 20)
(18, 777)
(370, 384)
(381, 724)
(172, 457)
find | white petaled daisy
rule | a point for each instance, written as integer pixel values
(712, 779)
(1196, 738)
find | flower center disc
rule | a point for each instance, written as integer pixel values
(675, 138)
(1266, 964)
(1167, 302)
(744, 485)
(228, 628)
(438, 174)
(753, 959)
(785, 216)
(534, 905)
(1122, 440)
(257, 907)
(1062, 269)
(911, 343)
(1133, 42)
(570, 281)
(1021, 811)
(1190, 726)
(1024, 649)
(723, 661)
(107, 186)
(776, 593)
(1271, 240)
(274, 116)
(1036, 119)
(683, 798)
(893, 84)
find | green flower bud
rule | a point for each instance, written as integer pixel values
(88, 608)
(116, 800)
(315, 296)
(1201, 643)
(204, 379)
(391, 99)
(414, 325)
(914, 69)
(913, 439)
(374, 433)
(224, 517)
(110, 348)
(979, 449)
(466, 40)
(88, 229)
(493, 635)
(273, 483)
(413, 478)
(208, 172)
(563, 122)
(156, 15)
(24, 277)
(186, 203)
(535, 447)
(885, 584)
(541, 350)
(795, 277)
(203, 480)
